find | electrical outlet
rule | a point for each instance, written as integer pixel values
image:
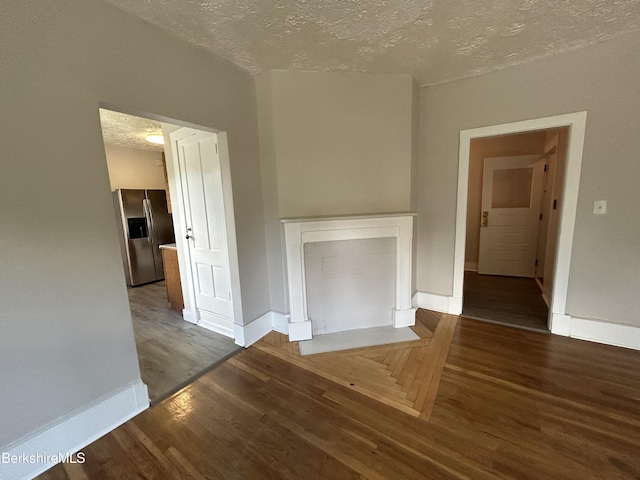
(600, 207)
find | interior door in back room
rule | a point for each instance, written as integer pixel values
(204, 214)
(511, 195)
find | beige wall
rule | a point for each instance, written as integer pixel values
(333, 144)
(342, 142)
(601, 79)
(134, 168)
(481, 148)
(67, 339)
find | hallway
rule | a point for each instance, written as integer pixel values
(511, 301)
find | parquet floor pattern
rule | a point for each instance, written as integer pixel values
(402, 375)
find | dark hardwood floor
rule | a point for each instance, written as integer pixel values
(509, 404)
(172, 352)
(512, 301)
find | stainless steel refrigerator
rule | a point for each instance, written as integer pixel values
(144, 225)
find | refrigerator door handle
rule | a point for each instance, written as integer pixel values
(146, 208)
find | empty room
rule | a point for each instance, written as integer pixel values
(327, 198)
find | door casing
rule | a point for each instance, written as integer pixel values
(577, 127)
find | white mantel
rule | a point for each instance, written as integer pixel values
(298, 231)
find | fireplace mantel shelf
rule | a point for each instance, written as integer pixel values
(298, 231)
(346, 217)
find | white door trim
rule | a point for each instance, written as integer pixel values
(577, 127)
(175, 186)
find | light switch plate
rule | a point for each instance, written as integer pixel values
(600, 207)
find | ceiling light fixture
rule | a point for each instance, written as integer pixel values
(157, 139)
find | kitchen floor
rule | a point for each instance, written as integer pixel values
(172, 352)
(514, 301)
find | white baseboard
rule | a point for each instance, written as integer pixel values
(455, 305)
(216, 323)
(471, 266)
(404, 318)
(280, 322)
(300, 331)
(246, 335)
(70, 435)
(189, 316)
(438, 303)
(560, 324)
(593, 330)
(597, 331)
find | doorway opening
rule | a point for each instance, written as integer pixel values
(557, 236)
(514, 189)
(174, 345)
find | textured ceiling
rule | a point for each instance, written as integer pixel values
(434, 40)
(129, 131)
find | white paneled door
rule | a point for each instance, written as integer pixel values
(511, 194)
(205, 226)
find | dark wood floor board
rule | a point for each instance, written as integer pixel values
(558, 383)
(109, 461)
(230, 427)
(303, 414)
(590, 392)
(319, 386)
(171, 351)
(507, 404)
(548, 463)
(335, 443)
(582, 399)
(248, 370)
(194, 441)
(418, 437)
(280, 369)
(265, 452)
(357, 420)
(151, 464)
(600, 437)
(185, 467)
(552, 361)
(375, 417)
(509, 300)
(331, 377)
(317, 462)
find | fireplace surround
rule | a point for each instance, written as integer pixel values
(299, 231)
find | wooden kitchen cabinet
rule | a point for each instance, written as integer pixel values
(172, 277)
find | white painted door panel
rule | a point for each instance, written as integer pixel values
(205, 221)
(511, 194)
